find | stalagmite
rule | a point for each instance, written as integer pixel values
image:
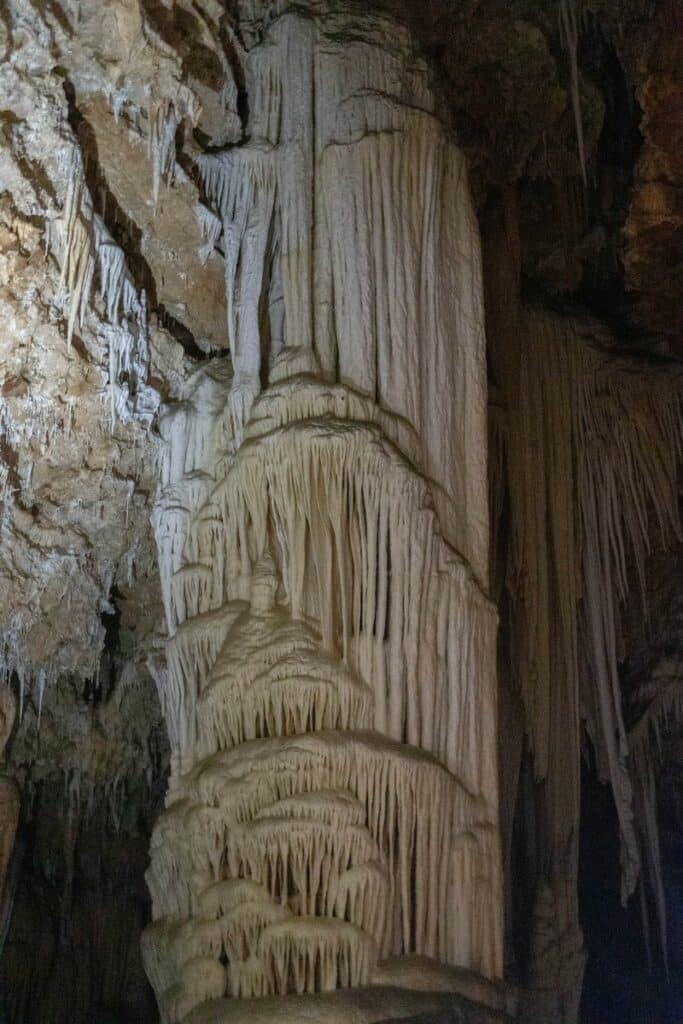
(321, 522)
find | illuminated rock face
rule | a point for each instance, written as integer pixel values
(329, 676)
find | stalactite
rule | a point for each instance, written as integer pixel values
(77, 251)
(163, 123)
(569, 35)
(15, 662)
(116, 282)
(645, 740)
(164, 116)
(211, 228)
(241, 186)
(84, 244)
(589, 468)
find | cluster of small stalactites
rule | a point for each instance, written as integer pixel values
(84, 247)
(608, 490)
(32, 677)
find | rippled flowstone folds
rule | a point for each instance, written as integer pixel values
(328, 680)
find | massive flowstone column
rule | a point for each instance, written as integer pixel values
(328, 680)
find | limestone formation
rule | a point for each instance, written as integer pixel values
(329, 685)
(252, 435)
(583, 501)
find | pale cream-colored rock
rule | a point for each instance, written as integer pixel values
(420, 974)
(329, 685)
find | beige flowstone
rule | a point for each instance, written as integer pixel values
(328, 681)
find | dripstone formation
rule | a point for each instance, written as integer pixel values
(329, 677)
(340, 589)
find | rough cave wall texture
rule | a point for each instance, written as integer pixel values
(201, 203)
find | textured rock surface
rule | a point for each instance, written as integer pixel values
(655, 218)
(112, 294)
(329, 686)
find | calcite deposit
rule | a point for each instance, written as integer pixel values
(340, 442)
(329, 681)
